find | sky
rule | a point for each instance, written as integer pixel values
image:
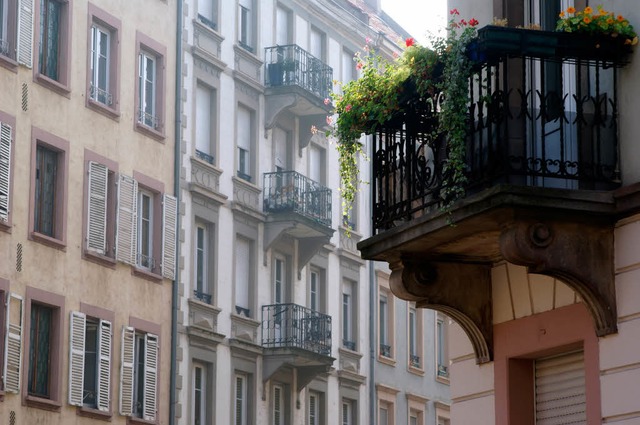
(417, 16)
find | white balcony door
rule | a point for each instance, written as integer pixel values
(283, 26)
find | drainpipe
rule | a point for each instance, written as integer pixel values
(176, 191)
(372, 319)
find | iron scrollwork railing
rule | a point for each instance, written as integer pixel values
(290, 191)
(532, 122)
(291, 65)
(295, 326)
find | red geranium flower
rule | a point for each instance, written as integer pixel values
(473, 22)
(454, 12)
(463, 22)
(409, 42)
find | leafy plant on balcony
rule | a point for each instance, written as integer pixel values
(598, 22)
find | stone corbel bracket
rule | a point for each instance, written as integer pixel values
(462, 291)
(581, 254)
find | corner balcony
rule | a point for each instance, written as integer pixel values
(299, 83)
(298, 207)
(542, 169)
(296, 340)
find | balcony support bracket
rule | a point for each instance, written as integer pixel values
(462, 291)
(581, 254)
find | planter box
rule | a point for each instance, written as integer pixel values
(495, 42)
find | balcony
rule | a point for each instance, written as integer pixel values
(299, 207)
(295, 338)
(542, 169)
(297, 82)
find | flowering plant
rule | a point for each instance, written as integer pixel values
(600, 21)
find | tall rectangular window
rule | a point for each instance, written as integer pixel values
(240, 401)
(383, 325)
(442, 341)
(246, 24)
(201, 263)
(314, 408)
(40, 351)
(145, 229)
(204, 123)
(45, 191)
(147, 90)
(150, 86)
(103, 65)
(415, 338)
(199, 411)
(314, 291)
(283, 26)
(100, 48)
(8, 28)
(207, 13)
(348, 315)
(348, 66)
(243, 276)
(244, 143)
(278, 405)
(139, 374)
(317, 164)
(279, 283)
(50, 38)
(317, 43)
(348, 412)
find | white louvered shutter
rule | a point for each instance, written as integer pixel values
(127, 221)
(97, 207)
(77, 328)
(25, 33)
(126, 370)
(313, 403)
(560, 390)
(13, 344)
(104, 366)
(5, 170)
(150, 377)
(240, 400)
(169, 227)
(277, 405)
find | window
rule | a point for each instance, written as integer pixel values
(415, 338)
(348, 413)
(383, 326)
(316, 290)
(279, 280)
(560, 389)
(150, 86)
(139, 374)
(199, 411)
(204, 123)
(245, 143)
(89, 362)
(202, 262)
(53, 43)
(278, 405)
(147, 221)
(386, 404)
(103, 69)
(348, 66)
(282, 159)
(8, 27)
(416, 406)
(317, 164)
(442, 351)
(283, 26)
(317, 42)
(386, 320)
(243, 275)
(246, 24)
(100, 201)
(6, 148)
(42, 348)
(240, 404)
(348, 315)
(383, 414)
(49, 176)
(208, 13)
(315, 408)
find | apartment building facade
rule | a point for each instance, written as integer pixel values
(277, 311)
(87, 216)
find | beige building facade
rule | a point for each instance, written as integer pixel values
(87, 216)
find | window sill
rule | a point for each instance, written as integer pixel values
(386, 360)
(42, 403)
(442, 379)
(415, 370)
(5, 226)
(48, 240)
(103, 260)
(146, 274)
(8, 63)
(92, 413)
(103, 109)
(151, 132)
(132, 420)
(53, 85)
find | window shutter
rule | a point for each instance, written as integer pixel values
(126, 370)
(77, 327)
(312, 409)
(169, 227)
(97, 208)
(25, 32)
(5, 170)
(277, 408)
(127, 220)
(345, 414)
(13, 344)
(239, 400)
(150, 377)
(560, 390)
(104, 365)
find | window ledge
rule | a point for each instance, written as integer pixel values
(5, 226)
(8, 63)
(103, 109)
(53, 85)
(101, 259)
(442, 379)
(132, 420)
(146, 274)
(415, 370)
(48, 240)
(89, 412)
(386, 360)
(151, 132)
(42, 403)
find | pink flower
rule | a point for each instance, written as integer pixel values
(368, 40)
(359, 65)
(347, 108)
(329, 120)
(409, 42)
(314, 129)
(473, 22)
(327, 101)
(395, 55)
(454, 12)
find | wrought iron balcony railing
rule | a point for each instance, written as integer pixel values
(385, 350)
(205, 157)
(202, 296)
(532, 121)
(295, 326)
(350, 345)
(291, 65)
(443, 371)
(414, 361)
(290, 191)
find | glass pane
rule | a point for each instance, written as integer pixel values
(200, 254)
(45, 193)
(139, 371)
(50, 12)
(39, 350)
(90, 364)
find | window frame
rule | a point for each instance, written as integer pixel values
(251, 313)
(247, 28)
(62, 84)
(154, 188)
(203, 392)
(56, 303)
(349, 315)
(103, 20)
(147, 47)
(211, 22)
(441, 347)
(61, 146)
(210, 156)
(385, 293)
(246, 155)
(10, 121)
(8, 58)
(417, 340)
